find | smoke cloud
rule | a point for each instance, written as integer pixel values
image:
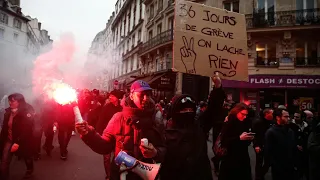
(57, 65)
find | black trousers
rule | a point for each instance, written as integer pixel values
(64, 136)
(6, 160)
(107, 159)
(216, 159)
(303, 166)
(259, 169)
(49, 134)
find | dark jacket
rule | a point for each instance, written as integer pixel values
(260, 127)
(22, 130)
(236, 162)
(122, 134)
(280, 151)
(105, 115)
(65, 117)
(301, 134)
(314, 153)
(187, 156)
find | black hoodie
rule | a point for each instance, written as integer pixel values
(187, 157)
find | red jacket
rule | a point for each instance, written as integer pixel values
(119, 135)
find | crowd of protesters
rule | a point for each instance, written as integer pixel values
(177, 132)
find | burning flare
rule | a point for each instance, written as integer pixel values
(61, 93)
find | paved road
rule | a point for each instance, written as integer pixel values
(82, 164)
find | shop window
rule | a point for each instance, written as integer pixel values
(266, 54)
(231, 6)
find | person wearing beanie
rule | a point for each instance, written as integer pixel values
(186, 141)
(126, 129)
(107, 111)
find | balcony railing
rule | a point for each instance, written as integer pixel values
(161, 38)
(284, 18)
(307, 62)
(170, 2)
(267, 62)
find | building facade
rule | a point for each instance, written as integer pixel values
(127, 28)
(284, 53)
(21, 41)
(283, 50)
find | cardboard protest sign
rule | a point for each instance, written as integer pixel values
(209, 40)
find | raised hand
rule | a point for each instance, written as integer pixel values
(188, 55)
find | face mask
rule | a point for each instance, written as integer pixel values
(184, 118)
(14, 110)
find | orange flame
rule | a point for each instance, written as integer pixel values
(61, 93)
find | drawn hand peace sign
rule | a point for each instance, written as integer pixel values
(188, 55)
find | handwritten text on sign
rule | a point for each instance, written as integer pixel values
(209, 40)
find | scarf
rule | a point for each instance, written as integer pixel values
(138, 118)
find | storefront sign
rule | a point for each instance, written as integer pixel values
(274, 81)
(306, 103)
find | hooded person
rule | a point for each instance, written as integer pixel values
(126, 129)
(105, 114)
(186, 140)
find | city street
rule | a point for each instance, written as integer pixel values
(82, 164)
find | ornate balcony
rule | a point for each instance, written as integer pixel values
(267, 62)
(307, 62)
(283, 18)
(161, 38)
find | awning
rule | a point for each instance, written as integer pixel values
(146, 79)
(156, 77)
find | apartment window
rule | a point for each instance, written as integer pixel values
(159, 28)
(231, 6)
(1, 33)
(15, 37)
(3, 18)
(129, 19)
(266, 54)
(134, 13)
(140, 9)
(302, 5)
(131, 64)
(137, 63)
(266, 10)
(305, 4)
(139, 35)
(307, 53)
(133, 41)
(151, 12)
(124, 26)
(128, 45)
(17, 23)
(170, 23)
(160, 5)
(150, 34)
